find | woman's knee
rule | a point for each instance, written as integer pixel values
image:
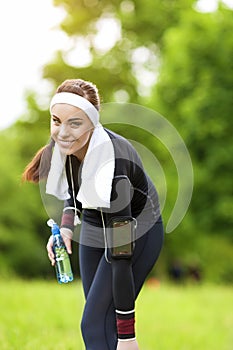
(92, 325)
(87, 326)
(94, 332)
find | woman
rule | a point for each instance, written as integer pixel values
(99, 174)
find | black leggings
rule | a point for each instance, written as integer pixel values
(99, 321)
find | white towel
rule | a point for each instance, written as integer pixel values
(97, 172)
(57, 184)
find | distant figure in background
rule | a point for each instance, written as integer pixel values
(179, 273)
(194, 273)
(176, 271)
(99, 174)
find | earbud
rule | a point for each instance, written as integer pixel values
(77, 221)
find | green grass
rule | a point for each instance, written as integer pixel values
(43, 315)
(185, 318)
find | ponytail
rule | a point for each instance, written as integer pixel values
(39, 166)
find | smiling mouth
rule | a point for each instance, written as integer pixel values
(65, 143)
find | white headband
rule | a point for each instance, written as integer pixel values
(77, 101)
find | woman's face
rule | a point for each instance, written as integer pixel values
(71, 129)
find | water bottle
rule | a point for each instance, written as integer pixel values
(62, 265)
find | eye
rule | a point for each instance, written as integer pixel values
(75, 124)
(56, 121)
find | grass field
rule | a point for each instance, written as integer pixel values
(42, 315)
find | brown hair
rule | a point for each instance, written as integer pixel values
(39, 166)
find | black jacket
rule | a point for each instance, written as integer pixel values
(131, 186)
(138, 199)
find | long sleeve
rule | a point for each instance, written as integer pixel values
(122, 275)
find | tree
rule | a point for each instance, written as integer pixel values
(186, 56)
(195, 92)
(22, 218)
(140, 27)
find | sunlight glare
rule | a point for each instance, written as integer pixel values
(28, 39)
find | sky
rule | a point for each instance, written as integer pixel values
(29, 37)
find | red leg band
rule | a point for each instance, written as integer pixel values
(125, 325)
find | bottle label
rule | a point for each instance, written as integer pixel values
(63, 266)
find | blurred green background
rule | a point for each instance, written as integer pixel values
(167, 56)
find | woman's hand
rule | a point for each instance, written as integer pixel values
(127, 345)
(67, 235)
(49, 248)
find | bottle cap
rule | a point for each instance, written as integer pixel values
(54, 227)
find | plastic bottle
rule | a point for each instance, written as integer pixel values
(62, 266)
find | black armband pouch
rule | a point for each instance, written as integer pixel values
(121, 237)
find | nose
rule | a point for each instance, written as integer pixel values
(63, 131)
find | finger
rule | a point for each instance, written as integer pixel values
(67, 242)
(51, 257)
(49, 248)
(67, 235)
(52, 260)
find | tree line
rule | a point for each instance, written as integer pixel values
(169, 58)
